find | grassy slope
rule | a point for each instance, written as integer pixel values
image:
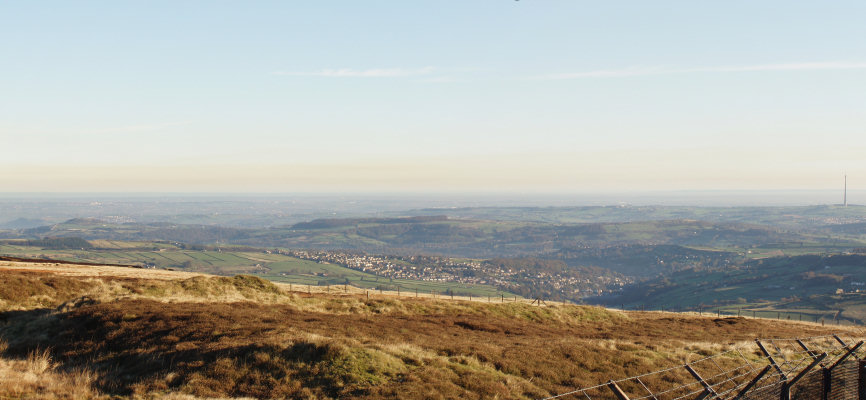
(243, 336)
(797, 287)
(275, 267)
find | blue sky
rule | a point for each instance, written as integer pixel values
(524, 96)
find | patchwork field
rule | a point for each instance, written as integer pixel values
(274, 267)
(812, 288)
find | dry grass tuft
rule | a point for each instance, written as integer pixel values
(36, 376)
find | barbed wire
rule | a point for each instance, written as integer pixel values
(731, 379)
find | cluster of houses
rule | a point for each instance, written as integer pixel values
(443, 269)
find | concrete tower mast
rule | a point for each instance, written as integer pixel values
(845, 195)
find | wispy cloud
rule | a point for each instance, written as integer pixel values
(663, 70)
(140, 128)
(442, 79)
(363, 73)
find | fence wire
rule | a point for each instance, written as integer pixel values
(835, 371)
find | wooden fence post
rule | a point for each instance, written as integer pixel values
(616, 390)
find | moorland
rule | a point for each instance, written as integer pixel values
(85, 331)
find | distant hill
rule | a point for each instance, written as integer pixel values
(22, 223)
(643, 248)
(805, 284)
(801, 217)
(348, 222)
(857, 228)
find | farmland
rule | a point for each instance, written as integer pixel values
(601, 248)
(798, 287)
(268, 265)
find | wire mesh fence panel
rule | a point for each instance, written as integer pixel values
(844, 381)
(772, 391)
(810, 387)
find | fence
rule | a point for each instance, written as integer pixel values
(811, 368)
(828, 317)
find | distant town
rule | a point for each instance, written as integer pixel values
(444, 269)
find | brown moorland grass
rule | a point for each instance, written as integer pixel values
(245, 337)
(35, 376)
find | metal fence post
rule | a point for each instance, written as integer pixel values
(790, 383)
(752, 383)
(786, 387)
(861, 379)
(708, 390)
(825, 383)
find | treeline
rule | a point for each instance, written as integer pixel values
(60, 243)
(329, 223)
(645, 260)
(814, 261)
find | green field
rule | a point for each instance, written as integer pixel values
(795, 287)
(275, 267)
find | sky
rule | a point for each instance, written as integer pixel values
(524, 96)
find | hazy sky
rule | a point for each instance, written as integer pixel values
(499, 95)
